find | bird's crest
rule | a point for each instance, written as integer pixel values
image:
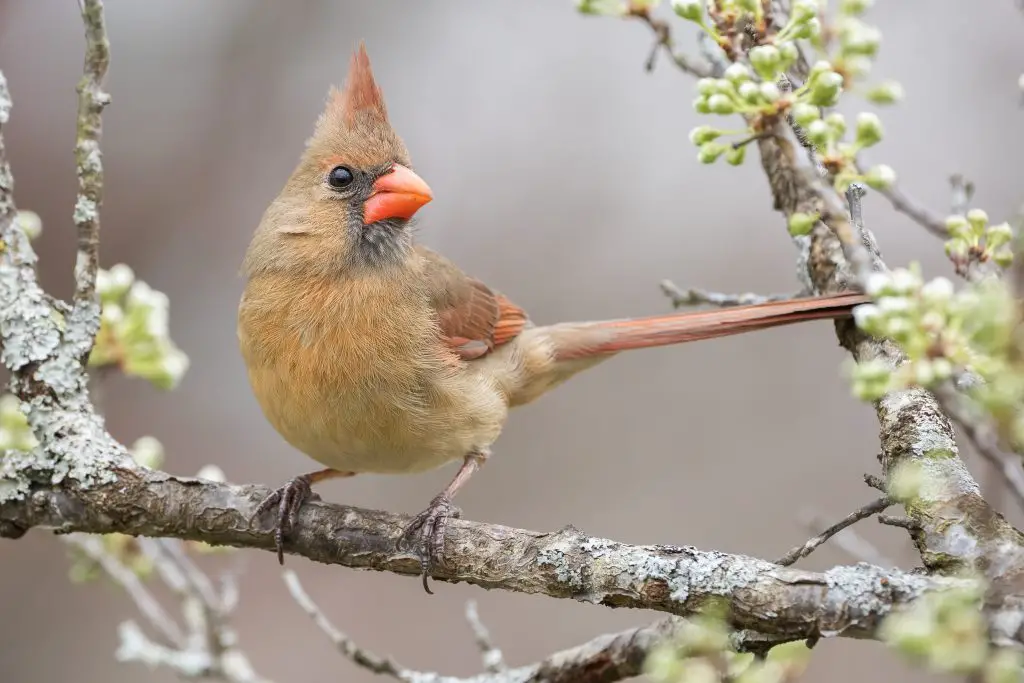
(361, 95)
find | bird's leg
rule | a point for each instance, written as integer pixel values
(289, 499)
(428, 527)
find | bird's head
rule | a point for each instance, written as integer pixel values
(349, 202)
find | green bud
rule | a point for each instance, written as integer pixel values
(702, 134)
(804, 114)
(789, 54)
(837, 124)
(854, 7)
(826, 88)
(690, 10)
(856, 66)
(211, 473)
(978, 220)
(802, 223)
(998, 235)
(809, 29)
(818, 133)
(770, 92)
(701, 106)
(957, 249)
(710, 151)
(1003, 257)
(750, 93)
(737, 73)
(601, 7)
(880, 177)
(803, 10)
(958, 227)
(735, 155)
(30, 223)
(766, 61)
(148, 452)
(860, 39)
(869, 129)
(889, 92)
(707, 86)
(820, 68)
(720, 104)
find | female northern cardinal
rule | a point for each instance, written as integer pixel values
(370, 353)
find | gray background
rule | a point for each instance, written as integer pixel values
(562, 176)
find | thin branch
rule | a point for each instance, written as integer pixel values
(696, 297)
(604, 659)
(89, 159)
(494, 661)
(853, 544)
(800, 551)
(664, 42)
(910, 525)
(92, 547)
(346, 646)
(919, 214)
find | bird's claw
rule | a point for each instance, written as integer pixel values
(289, 499)
(427, 529)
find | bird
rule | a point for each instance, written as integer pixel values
(371, 353)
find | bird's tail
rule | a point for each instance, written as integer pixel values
(581, 341)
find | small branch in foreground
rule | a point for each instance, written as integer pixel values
(494, 661)
(695, 297)
(89, 159)
(663, 41)
(852, 543)
(874, 507)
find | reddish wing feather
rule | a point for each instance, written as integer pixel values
(473, 319)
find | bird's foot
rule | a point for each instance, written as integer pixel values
(427, 530)
(289, 499)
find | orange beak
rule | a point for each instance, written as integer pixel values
(398, 194)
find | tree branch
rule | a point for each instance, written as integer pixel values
(812, 544)
(762, 597)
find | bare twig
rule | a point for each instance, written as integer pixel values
(855, 545)
(909, 207)
(696, 297)
(910, 525)
(663, 41)
(345, 645)
(809, 547)
(494, 661)
(92, 547)
(89, 159)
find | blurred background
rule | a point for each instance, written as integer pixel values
(563, 176)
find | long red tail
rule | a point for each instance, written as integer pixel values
(578, 341)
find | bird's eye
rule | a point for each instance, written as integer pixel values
(340, 177)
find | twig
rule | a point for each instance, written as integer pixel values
(494, 661)
(92, 547)
(855, 545)
(809, 547)
(89, 159)
(346, 646)
(907, 206)
(962, 191)
(902, 522)
(876, 483)
(604, 659)
(663, 41)
(695, 297)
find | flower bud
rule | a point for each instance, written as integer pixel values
(770, 92)
(707, 86)
(148, 452)
(737, 73)
(889, 92)
(735, 155)
(802, 223)
(688, 9)
(880, 177)
(869, 129)
(826, 88)
(958, 227)
(998, 235)
(978, 220)
(937, 290)
(720, 104)
(854, 7)
(702, 134)
(804, 114)
(836, 124)
(710, 151)
(818, 133)
(30, 223)
(766, 61)
(750, 92)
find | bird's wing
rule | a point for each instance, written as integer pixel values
(474, 320)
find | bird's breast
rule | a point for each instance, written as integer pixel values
(356, 378)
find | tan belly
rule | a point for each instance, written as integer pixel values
(379, 427)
